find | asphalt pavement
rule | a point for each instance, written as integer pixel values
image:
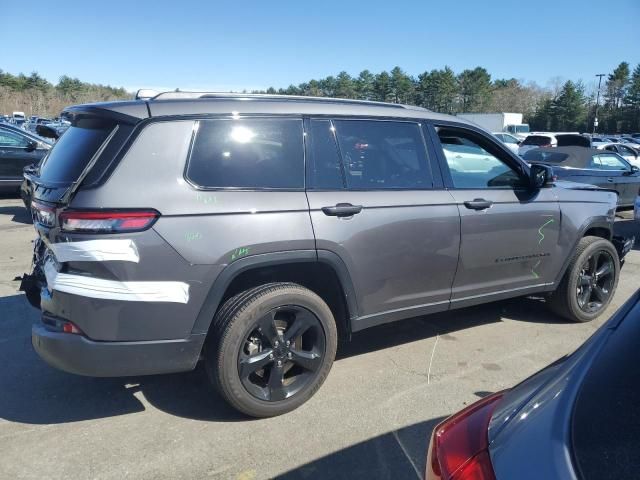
(372, 418)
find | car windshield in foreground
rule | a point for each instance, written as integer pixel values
(72, 152)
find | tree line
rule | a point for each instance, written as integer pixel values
(563, 106)
(35, 95)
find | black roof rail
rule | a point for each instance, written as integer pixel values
(180, 95)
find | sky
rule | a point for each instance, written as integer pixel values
(247, 44)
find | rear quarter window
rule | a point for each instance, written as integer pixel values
(73, 151)
(248, 153)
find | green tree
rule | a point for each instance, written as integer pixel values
(345, 86)
(617, 85)
(437, 90)
(365, 85)
(568, 110)
(401, 86)
(474, 89)
(382, 87)
(632, 99)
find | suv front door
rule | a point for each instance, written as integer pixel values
(376, 204)
(509, 232)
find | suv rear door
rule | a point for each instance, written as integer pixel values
(509, 233)
(377, 202)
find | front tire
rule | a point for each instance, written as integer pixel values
(589, 283)
(271, 348)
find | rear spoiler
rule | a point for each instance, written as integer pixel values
(130, 112)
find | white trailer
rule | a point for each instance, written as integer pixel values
(499, 122)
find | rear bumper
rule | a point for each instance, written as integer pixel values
(77, 354)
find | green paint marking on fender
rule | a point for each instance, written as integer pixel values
(540, 230)
(239, 252)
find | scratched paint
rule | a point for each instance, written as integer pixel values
(240, 252)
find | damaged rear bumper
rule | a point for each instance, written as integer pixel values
(77, 354)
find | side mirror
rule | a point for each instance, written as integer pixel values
(31, 146)
(540, 175)
(634, 170)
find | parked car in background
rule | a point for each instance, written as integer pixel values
(499, 122)
(536, 140)
(511, 141)
(34, 122)
(18, 149)
(624, 150)
(591, 166)
(373, 195)
(575, 419)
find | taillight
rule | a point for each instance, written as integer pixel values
(107, 221)
(43, 214)
(459, 445)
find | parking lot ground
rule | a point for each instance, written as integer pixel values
(371, 419)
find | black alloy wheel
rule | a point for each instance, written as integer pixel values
(282, 354)
(596, 281)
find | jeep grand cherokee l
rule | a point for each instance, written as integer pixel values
(251, 231)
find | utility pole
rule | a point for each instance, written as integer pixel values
(595, 114)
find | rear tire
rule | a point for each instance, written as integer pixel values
(582, 296)
(270, 348)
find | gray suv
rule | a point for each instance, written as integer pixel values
(251, 232)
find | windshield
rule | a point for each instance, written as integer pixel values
(522, 128)
(72, 153)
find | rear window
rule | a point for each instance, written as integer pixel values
(248, 153)
(383, 154)
(547, 157)
(73, 151)
(538, 140)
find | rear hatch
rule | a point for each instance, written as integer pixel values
(83, 157)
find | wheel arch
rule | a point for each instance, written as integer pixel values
(598, 226)
(311, 269)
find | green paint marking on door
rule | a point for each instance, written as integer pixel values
(533, 269)
(540, 229)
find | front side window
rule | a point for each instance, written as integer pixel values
(12, 139)
(383, 154)
(608, 162)
(475, 163)
(248, 153)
